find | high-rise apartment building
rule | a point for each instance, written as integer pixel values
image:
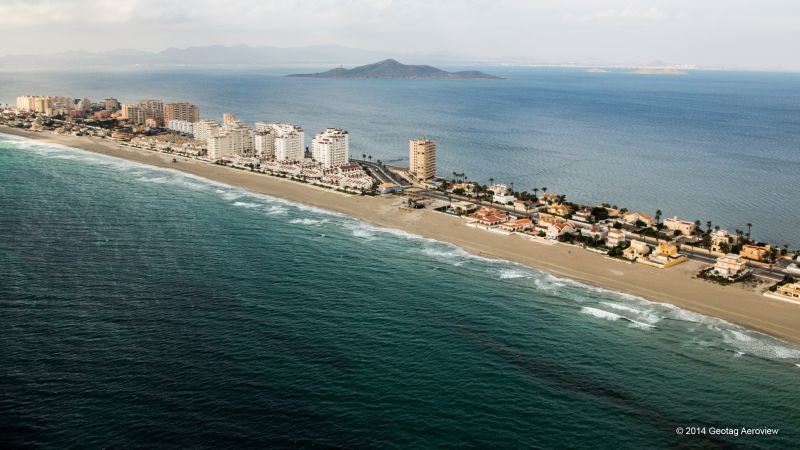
(206, 129)
(422, 158)
(331, 147)
(287, 141)
(184, 111)
(143, 110)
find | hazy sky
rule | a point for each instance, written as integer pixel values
(758, 33)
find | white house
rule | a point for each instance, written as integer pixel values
(556, 230)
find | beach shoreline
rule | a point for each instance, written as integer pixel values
(675, 286)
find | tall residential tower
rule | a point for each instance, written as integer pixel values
(422, 158)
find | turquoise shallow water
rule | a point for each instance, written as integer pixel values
(143, 307)
(719, 146)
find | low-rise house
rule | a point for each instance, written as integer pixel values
(685, 227)
(665, 255)
(522, 205)
(730, 266)
(557, 230)
(721, 238)
(756, 252)
(636, 250)
(549, 197)
(633, 217)
(386, 188)
(559, 209)
(493, 219)
(518, 225)
(583, 215)
(462, 207)
(545, 218)
(615, 237)
(597, 233)
(789, 290)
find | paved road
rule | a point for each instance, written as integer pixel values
(383, 174)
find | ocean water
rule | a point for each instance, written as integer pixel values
(719, 146)
(141, 307)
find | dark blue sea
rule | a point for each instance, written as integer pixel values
(707, 145)
(145, 308)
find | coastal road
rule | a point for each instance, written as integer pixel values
(383, 174)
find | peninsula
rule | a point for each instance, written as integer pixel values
(390, 68)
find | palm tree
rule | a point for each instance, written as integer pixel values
(544, 190)
(370, 158)
(749, 225)
(364, 156)
(708, 224)
(658, 217)
(455, 176)
(491, 181)
(535, 190)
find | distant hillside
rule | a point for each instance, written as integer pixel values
(390, 68)
(239, 55)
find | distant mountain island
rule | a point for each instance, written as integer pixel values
(390, 68)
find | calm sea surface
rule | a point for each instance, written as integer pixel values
(719, 146)
(140, 307)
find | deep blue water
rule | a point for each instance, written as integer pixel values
(141, 307)
(719, 146)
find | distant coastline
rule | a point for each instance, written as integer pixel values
(676, 286)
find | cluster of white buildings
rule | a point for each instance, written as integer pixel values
(346, 176)
(268, 141)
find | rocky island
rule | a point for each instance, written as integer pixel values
(390, 68)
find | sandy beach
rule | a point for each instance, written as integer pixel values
(675, 286)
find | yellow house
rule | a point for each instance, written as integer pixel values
(559, 209)
(666, 255)
(755, 252)
(667, 249)
(790, 290)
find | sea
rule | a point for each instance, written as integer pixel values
(717, 146)
(146, 308)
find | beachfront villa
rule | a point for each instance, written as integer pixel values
(789, 290)
(685, 227)
(636, 250)
(597, 233)
(720, 238)
(615, 237)
(556, 230)
(755, 252)
(632, 218)
(387, 188)
(666, 255)
(491, 220)
(730, 266)
(461, 208)
(517, 226)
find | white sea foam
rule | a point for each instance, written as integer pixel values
(760, 346)
(276, 210)
(646, 315)
(510, 274)
(600, 313)
(308, 221)
(246, 204)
